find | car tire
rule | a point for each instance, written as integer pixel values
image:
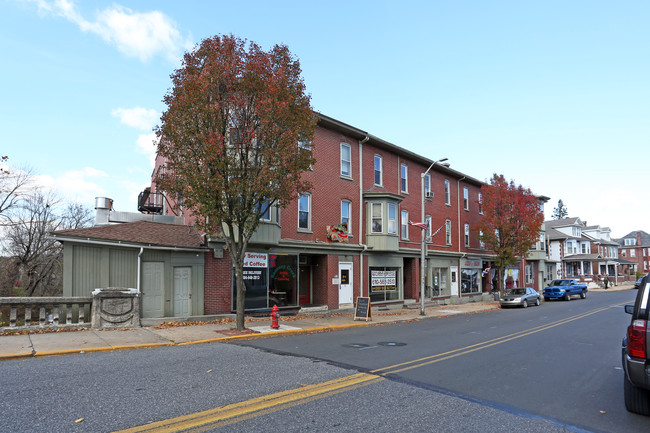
(583, 294)
(537, 302)
(525, 304)
(545, 299)
(567, 296)
(637, 400)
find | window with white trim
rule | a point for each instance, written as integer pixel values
(427, 185)
(447, 193)
(377, 217)
(480, 203)
(529, 273)
(632, 252)
(392, 218)
(448, 232)
(346, 214)
(405, 224)
(480, 242)
(378, 170)
(404, 181)
(465, 198)
(428, 221)
(265, 209)
(304, 212)
(346, 160)
(467, 235)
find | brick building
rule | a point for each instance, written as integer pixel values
(350, 236)
(374, 188)
(635, 249)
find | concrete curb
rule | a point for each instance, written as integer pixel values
(318, 329)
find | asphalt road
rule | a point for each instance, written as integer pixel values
(559, 361)
(542, 369)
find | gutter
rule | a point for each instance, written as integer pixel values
(129, 245)
(365, 247)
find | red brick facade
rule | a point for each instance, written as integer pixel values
(400, 255)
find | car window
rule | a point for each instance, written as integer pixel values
(516, 292)
(644, 292)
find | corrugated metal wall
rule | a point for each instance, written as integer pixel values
(123, 268)
(86, 275)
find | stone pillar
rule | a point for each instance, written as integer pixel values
(115, 307)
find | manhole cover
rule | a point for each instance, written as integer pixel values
(356, 345)
(391, 343)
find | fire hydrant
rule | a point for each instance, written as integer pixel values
(275, 315)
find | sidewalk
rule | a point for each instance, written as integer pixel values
(183, 333)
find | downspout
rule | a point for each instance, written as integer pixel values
(360, 233)
(460, 287)
(139, 267)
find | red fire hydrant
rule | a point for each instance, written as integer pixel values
(275, 314)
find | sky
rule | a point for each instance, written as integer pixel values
(554, 95)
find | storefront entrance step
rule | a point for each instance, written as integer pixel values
(313, 309)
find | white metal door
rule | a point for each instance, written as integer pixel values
(454, 280)
(345, 284)
(153, 289)
(182, 291)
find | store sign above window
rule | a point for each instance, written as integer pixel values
(256, 260)
(337, 233)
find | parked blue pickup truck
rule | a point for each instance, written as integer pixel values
(564, 289)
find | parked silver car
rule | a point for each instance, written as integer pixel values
(519, 297)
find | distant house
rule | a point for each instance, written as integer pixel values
(604, 247)
(634, 248)
(581, 251)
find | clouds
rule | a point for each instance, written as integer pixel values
(75, 185)
(137, 117)
(142, 35)
(143, 119)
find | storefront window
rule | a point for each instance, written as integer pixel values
(270, 280)
(283, 271)
(255, 280)
(511, 278)
(469, 280)
(383, 284)
(440, 285)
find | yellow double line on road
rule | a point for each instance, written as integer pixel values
(233, 413)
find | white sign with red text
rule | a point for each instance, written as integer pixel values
(256, 260)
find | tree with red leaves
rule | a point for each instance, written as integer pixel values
(511, 222)
(236, 137)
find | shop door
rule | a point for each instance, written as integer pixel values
(304, 290)
(182, 291)
(345, 285)
(454, 280)
(152, 289)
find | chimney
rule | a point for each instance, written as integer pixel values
(103, 207)
(638, 238)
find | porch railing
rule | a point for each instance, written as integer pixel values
(47, 311)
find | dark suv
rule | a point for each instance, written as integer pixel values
(636, 352)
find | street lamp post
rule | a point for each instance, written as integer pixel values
(424, 234)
